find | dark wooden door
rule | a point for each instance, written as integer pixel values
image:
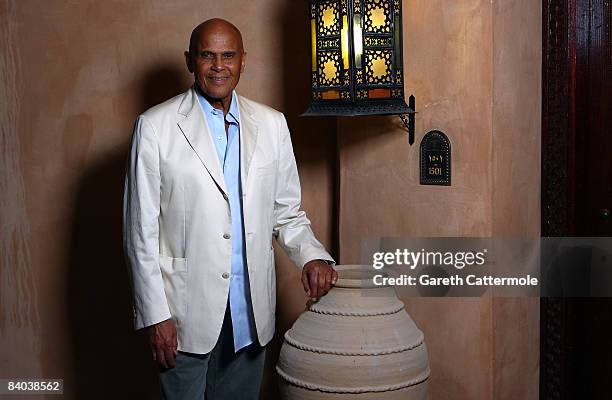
(576, 345)
(593, 116)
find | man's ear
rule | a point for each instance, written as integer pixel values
(243, 61)
(188, 61)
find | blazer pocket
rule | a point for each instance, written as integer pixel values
(171, 265)
(174, 276)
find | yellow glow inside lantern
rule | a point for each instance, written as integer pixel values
(378, 18)
(329, 70)
(329, 17)
(379, 68)
(345, 43)
(313, 29)
(357, 39)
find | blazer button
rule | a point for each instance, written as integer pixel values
(225, 275)
(226, 236)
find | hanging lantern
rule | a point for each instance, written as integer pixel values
(357, 58)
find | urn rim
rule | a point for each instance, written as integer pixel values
(357, 276)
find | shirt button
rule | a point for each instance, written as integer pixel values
(225, 275)
(226, 236)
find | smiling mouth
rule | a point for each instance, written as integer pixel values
(218, 79)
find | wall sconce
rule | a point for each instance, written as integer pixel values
(357, 66)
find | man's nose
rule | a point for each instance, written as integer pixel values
(217, 63)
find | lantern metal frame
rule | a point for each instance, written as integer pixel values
(355, 89)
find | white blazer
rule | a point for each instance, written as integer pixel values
(177, 222)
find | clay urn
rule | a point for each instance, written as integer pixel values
(357, 342)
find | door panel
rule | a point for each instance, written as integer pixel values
(576, 354)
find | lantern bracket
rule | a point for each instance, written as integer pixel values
(408, 119)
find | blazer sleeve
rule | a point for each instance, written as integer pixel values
(141, 205)
(291, 226)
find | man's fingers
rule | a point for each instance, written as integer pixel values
(305, 283)
(334, 276)
(169, 355)
(314, 283)
(328, 279)
(161, 359)
(321, 282)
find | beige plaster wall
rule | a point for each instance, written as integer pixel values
(474, 67)
(74, 75)
(516, 186)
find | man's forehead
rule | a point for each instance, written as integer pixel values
(219, 36)
(218, 44)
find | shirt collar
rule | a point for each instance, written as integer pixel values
(233, 115)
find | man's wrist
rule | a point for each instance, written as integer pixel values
(328, 262)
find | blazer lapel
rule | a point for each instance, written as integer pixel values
(196, 132)
(248, 137)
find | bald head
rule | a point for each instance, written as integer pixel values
(216, 58)
(211, 27)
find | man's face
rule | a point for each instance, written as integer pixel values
(216, 59)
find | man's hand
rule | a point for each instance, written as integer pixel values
(163, 343)
(318, 277)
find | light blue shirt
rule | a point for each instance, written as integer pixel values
(228, 150)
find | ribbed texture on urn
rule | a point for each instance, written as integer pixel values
(358, 340)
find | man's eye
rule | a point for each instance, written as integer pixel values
(207, 55)
(228, 55)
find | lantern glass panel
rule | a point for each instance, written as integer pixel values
(358, 40)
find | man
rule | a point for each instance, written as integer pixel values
(211, 178)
